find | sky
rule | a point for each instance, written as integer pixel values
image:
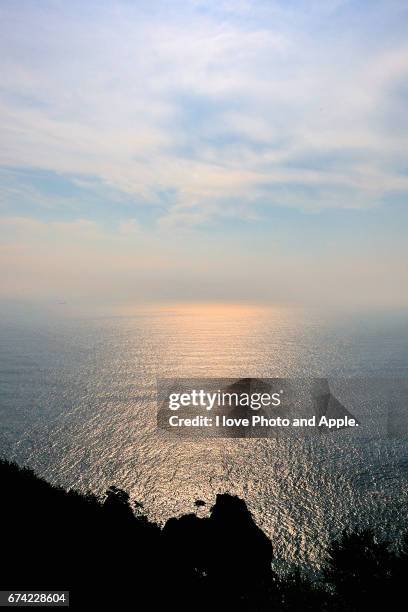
(247, 150)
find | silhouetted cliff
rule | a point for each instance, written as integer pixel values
(105, 553)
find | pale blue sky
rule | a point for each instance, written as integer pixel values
(165, 149)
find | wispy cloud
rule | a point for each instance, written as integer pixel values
(215, 103)
(172, 148)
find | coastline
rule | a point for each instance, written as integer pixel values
(105, 550)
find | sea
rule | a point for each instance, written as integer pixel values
(78, 405)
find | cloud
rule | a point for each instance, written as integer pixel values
(32, 231)
(129, 227)
(204, 149)
(204, 104)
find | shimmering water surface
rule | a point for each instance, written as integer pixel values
(78, 405)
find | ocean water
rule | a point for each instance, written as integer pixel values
(78, 404)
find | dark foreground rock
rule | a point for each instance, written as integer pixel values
(107, 554)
